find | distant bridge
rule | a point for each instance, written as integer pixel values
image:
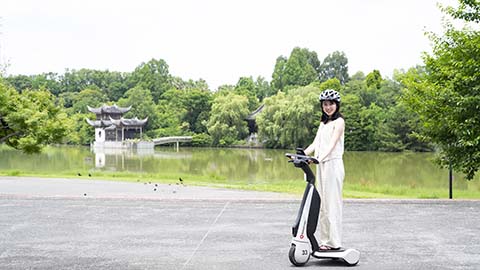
(167, 140)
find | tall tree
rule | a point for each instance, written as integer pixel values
(447, 96)
(30, 120)
(192, 106)
(227, 121)
(335, 65)
(278, 80)
(298, 68)
(289, 120)
(92, 97)
(142, 107)
(246, 87)
(154, 76)
(263, 89)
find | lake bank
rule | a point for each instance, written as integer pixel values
(292, 189)
(368, 174)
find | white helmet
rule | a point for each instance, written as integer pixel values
(330, 94)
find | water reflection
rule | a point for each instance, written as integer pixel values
(249, 166)
(127, 159)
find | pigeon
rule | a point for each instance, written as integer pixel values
(79, 174)
(181, 180)
(89, 175)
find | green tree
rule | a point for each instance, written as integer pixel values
(290, 120)
(88, 97)
(263, 89)
(447, 96)
(374, 79)
(246, 87)
(227, 121)
(112, 84)
(192, 106)
(298, 68)
(154, 76)
(278, 80)
(351, 107)
(81, 132)
(20, 82)
(30, 120)
(142, 107)
(335, 65)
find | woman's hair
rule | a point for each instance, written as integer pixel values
(335, 115)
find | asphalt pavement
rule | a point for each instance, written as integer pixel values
(89, 224)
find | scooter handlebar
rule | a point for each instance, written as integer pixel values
(296, 158)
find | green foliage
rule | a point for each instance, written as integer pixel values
(111, 84)
(192, 105)
(298, 68)
(246, 87)
(278, 80)
(303, 68)
(154, 76)
(374, 79)
(335, 65)
(88, 97)
(201, 139)
(227, 121)
(263, 89)
(447, 96)
(30, 120)
(289, 120)
(142, 107)
(80, 131)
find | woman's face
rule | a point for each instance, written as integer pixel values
(329, 107)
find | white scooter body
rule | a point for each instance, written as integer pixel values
(301, 247)
(349, 256)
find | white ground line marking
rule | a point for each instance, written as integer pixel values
(206, 234)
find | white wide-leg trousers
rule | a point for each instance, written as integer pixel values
(330, 175)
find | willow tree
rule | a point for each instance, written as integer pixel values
(227, 119)
(290, 120)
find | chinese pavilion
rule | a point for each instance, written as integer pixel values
(111, 126)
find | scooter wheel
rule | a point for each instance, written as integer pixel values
(291, 256)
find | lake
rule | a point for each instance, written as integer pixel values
(375, 172)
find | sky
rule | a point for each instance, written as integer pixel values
(215, 40)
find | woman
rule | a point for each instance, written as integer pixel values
(328, 148)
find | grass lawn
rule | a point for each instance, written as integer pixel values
(351, 190)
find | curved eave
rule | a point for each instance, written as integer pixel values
(95, 110)
(116, 122)
(93, 123)
(134, 122)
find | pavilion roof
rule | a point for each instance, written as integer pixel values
(253, 115)
(99, 123)
(113, 123)
(107, 109)
(129, 122)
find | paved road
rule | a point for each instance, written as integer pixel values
(51, 224)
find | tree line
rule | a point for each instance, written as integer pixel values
(174, 107)
(410, 111)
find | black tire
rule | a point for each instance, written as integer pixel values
(291, 256)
